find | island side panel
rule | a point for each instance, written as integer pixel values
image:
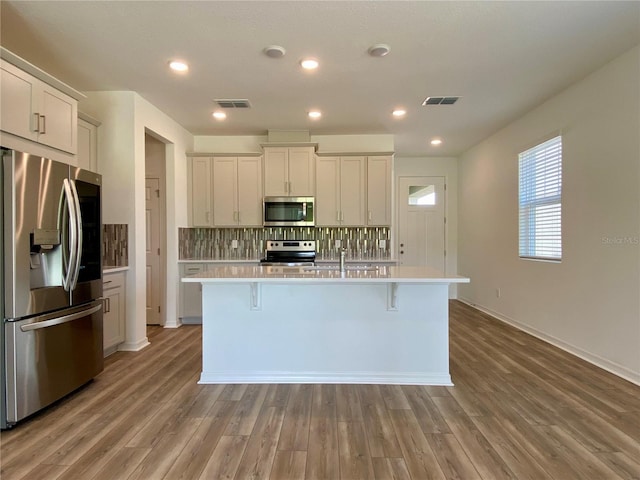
(325, 333)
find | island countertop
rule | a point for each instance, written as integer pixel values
(322, 274)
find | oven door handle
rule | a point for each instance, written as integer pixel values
(59, 320)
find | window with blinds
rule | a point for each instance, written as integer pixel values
(540, 199)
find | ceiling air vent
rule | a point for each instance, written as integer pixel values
(440, 101)
(233, 103)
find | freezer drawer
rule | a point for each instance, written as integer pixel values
(51, 355)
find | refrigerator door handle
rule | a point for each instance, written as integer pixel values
(66, 224)
(73, 236)
(78, 224)
(58, 320)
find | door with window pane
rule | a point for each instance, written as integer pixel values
(421, 234)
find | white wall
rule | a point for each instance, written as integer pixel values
(178, 141)
(446, 167)
(326, 143)
(228, 144)
(589, 303)
(126, 117)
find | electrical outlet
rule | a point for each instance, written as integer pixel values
(338, 243)
(497, 293)
(382, 244)
(234, 243)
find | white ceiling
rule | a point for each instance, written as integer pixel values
(501, 58)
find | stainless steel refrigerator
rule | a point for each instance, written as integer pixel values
(52, 279)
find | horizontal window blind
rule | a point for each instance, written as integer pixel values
(540, 199)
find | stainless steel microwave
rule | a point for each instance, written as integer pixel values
(288, 212)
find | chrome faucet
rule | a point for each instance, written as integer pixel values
(343, 255)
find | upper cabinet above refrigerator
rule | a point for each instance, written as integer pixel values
(39, 113)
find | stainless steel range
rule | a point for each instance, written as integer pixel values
(290, 253)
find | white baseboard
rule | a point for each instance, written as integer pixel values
(133, 347)
(327, 377)
(191, 321)
(609, 366)
(173, 324)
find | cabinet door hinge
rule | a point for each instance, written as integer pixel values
(158, 308)
(158, 193)
(158, 251)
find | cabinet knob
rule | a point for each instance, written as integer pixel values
(401, 252)
(402, 244)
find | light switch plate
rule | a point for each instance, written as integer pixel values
(382, 244)
(234, 243)
(337, 243)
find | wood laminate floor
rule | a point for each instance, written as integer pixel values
(520, 409)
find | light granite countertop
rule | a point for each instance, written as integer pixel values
(322, 274)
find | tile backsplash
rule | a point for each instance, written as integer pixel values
(216, 243)
(115, 248)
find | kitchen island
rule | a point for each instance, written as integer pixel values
(282, 324)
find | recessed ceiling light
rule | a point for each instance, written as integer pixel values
(178, 66)
(379, 50)
(314, 114)
(309, 63)
(399, 112)
(219, 115)
(274, 51)
(436, 142)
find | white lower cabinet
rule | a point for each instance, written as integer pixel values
(191, 294)
(114, 293)
(190, 300)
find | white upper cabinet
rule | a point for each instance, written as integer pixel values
(36, 111)
(225, 190)
(327, 205)
(289, 171)
(340, 191)
(250, 191)
(87, 156)
(201, 200)
(237, 191)
(379, 190)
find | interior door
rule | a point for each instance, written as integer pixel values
(421, 236)
(152, 198)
